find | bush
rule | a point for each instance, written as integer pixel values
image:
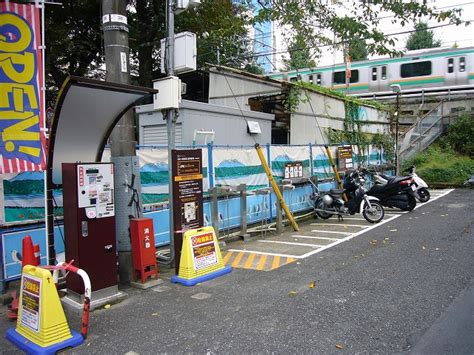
(460, 135)
(441, 164)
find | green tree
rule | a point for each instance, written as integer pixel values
(220, 27)
(300, 55)
(74, 37)
(316, 21)
(358, 50)
(73, 42)
(461, 134)
(422, 38)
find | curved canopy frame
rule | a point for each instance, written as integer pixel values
(86, 112)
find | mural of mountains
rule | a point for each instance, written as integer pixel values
(34, 175)
(283, 158)
(231, 163)
(154, 168)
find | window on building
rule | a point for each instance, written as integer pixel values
(450, 65)
(374, 74)
(339, 77)
(415, 69)
(384, 73)
(462, 64)
(318, 79)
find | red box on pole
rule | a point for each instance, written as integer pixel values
(143, 248)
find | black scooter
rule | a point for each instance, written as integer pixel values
(398, 192)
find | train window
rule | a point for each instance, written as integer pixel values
(318, 79)
(339, 77)
(450, 65)
(293, 79)
(384, 73)
(374, 74)
(310, 79)
(462, 63)
(415, 69)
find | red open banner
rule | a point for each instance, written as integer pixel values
(22, 141)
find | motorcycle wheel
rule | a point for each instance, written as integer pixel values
(424, 194)
(323, 215)
(374, 214)
(411, 203)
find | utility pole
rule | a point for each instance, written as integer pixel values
(170, 117)
(396, 88)
(122, 139)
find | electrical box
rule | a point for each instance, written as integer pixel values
(143, 248)
(185, 53)
(169, 93)
(89, 223)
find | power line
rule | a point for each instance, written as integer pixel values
(342, 42)
(269, 34)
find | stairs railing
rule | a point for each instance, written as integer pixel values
(423, 132)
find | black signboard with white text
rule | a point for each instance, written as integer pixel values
(187, 195)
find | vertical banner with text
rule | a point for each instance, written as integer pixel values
(187, 195)
(22, 141)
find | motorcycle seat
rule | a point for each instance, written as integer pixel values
(397, 179)
(337, 191)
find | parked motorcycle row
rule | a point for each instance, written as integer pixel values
(400, 192)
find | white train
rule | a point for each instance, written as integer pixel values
(428, 68)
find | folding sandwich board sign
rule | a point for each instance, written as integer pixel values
(201, 258)
(42, 326)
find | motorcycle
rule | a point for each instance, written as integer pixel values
(329, 203)
(394, 191)
(421, 191)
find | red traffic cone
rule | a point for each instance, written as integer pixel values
(36, 249)
(27, 253)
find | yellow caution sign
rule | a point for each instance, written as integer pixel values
(201, 258)
(41, 326)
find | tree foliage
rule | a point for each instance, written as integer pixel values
(422, 38)
(300, 55)
(460, 135)
(74, 37)
(358, 49)
(73, 42)
(316, 21)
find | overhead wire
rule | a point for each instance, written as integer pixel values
(254, 55)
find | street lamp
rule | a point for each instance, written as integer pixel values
(397, 90)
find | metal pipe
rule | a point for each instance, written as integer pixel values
(288, 213)
(334, 168)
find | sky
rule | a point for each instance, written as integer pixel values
(464, 36)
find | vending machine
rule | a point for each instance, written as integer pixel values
(89, 224)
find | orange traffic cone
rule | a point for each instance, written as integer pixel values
(27, 253)
(36, 249)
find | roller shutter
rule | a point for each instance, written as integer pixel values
(157, 135)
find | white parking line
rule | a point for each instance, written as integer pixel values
(354, 218)
(291, 243)
(341, 224)
(434, 198)
(265, 253)
(311, 237)
(333, 232)
(346, 235)
(349, 237)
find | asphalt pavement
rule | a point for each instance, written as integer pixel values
(404, 286)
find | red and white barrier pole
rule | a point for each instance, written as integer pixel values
(87, 290)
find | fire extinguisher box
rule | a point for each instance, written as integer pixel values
(143, 248)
